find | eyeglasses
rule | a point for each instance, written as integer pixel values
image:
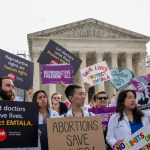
(100, 98)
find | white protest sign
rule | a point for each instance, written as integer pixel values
(96, 74)
(140, 140)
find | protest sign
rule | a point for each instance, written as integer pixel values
(141, 85)
(105, 113)
(18, 124)
(75, 133)
(56, 54)
(121, 78)
(17, 68)
(54, 74)
(43, 137)
(96, 73)
(140, 140)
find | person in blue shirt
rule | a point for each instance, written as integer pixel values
(127, 120)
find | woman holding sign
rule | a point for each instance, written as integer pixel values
(44, 108)
(127, 120)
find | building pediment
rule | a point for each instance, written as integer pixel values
(89, 28)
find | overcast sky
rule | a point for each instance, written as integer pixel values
(21, 17)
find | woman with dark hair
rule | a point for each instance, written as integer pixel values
(60, 107)
(44, 109)
(127, 120)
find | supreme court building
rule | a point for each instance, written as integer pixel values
(92, 41)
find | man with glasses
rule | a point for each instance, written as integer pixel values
(102, 99)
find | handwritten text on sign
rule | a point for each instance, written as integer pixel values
(75, 133)
(140, 140)
(96, 73)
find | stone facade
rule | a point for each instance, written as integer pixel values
(92, 41)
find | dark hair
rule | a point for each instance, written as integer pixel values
(69, 91)
(56, 93)
(94, 97)
(2, 78)
(62, 108)
(143, 93)
(102, 92)
(137, 114)
(35, 97)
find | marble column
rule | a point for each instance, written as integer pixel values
(137, 66)
(82, 56)
(99, 58)
(36, 73)
(143, 63)
(129, 64)
(114, 64)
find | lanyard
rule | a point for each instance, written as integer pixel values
(48, 115)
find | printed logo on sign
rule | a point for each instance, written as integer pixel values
(53, 62)
(12, 76)
(3, 135)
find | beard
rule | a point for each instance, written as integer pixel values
(4, 95)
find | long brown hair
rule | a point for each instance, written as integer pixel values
(35, 97)
(137, 114)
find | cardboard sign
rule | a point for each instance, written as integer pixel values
(56, 54)
(18, 124)
(17, 68)
(141, 85)
(121, 78)
(96, 74)
(105, 113)
(54, 74)
(140, 140)
(75, 133)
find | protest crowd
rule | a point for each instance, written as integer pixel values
(121, 117)
(127, 120)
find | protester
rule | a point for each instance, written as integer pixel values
(94, 101)
(56, 97)
(30, 94)
(44, 109)
(59, 107)
(127, 120)
(102, 101)
(76, 96)
(6, 88)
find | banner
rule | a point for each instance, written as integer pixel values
(96, 74)
(75, 133)
(56, 54)
(121, 78)
(18, 124)
(17, 68)
(140, 140)
(105, 113)
(54, 74)
(141, 85)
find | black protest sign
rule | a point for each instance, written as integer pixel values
(75, 133)
(18, 124)
(18, 69)
(56, 54)
(43, 137)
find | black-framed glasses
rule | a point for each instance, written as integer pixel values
(100, 98)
